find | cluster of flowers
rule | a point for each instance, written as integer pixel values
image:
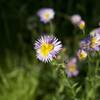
(89, 44)
(47, 47)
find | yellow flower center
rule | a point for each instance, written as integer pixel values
(81, 25)
(46, 48)
(46, 15)
(72, 68)
(82, 55)
(93, 42)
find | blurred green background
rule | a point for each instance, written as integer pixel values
(22, 76)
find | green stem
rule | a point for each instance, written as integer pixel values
(71, 88)
(83, 32)
(90, 81)
(51, 28)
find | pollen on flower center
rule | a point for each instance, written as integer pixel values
(46, 15)
(72, 68)
(82, 55)
(93, 42)
(46, 48)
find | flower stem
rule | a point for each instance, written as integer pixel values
(51, 28)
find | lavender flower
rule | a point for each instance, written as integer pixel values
(46, 14)
(85, 43)
(95, 39)
(75, 19)
(47, 47)
(92, 42)
(95, 44)
(95, 32)
(71, 68)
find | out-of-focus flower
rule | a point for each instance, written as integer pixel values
(85, 43)
(71, 68)
(81, 24)
(95, 39)
(81, 54)
(95, 32)
(47, 47)
(92, 41)
(46, 14)
(95, 43)
(75, 19)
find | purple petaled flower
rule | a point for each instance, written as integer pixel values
(71, 68)
(85, 43)
(92, 42)
(47, 47)
(95, 40)
(46, 14)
